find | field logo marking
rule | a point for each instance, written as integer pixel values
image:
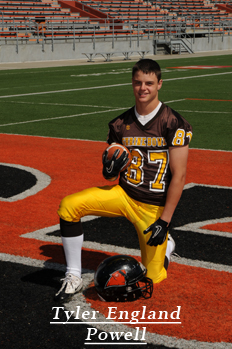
(198, 292)
(43, 180)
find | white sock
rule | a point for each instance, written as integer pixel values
(169, 249)
(72, 249)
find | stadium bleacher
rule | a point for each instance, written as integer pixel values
(27, 19)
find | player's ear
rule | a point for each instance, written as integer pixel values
(160, 84)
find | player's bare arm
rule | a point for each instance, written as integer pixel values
(178, 157)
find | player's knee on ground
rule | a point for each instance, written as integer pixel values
(157, 277)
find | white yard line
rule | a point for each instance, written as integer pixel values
(204, 112)
(107, 86)
(198, 76)
(100, 112)
(60, 117)
(96, 112)
(64, 104)
(61, 91)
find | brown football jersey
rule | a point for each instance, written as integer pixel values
(148, 176)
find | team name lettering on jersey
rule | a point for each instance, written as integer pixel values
(144, 141)
(148, 176)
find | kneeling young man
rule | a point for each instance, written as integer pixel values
(148, 191)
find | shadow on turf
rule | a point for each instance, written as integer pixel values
(90, 259)
(45, 277)
(51, 277)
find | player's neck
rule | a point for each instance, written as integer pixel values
(144, 108)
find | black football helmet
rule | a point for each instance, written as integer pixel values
(122, 278)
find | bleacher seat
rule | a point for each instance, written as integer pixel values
(56, 20)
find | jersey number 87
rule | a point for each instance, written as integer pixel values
(135, 172)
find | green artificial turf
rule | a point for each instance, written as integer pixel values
(78, 101)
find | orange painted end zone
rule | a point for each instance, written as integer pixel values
(74, 165)
(203, 294)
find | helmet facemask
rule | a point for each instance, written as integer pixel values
(122, 278)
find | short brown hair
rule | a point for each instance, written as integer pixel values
(147, 66)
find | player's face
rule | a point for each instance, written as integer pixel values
(146, 87)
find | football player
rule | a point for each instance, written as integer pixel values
(148, 190)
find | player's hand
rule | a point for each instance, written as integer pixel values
(112, 167)
(159, 231)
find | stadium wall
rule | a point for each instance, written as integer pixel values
(31, 52)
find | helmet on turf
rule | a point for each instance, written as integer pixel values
(122, 278)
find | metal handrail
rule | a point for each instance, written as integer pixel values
(165, 26)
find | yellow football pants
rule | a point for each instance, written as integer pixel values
(112, 201)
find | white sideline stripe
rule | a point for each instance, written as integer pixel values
(104, 142)
(107, 86)
(61, 91)
(102, 106)
(5, 257)
(61, 138)
(101, 325)
(41, 235)
(196, 227)
(197, 76)
(99, 112)
(191, 185)
(176, 100)
(61, 117)
(37, 263)
(65, 104)
(112, 72)
(57, 70)
(43, 180)
(204, 112)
